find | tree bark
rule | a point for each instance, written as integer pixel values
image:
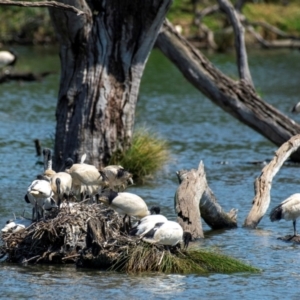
(187, 200)
(240, 48)
(238, 98)
(195, 200)
(103, 54)
(212, 212)
(263, 183)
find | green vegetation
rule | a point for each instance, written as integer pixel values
(22, 25)
(147, 154)
(33, 26)
(286, 18)
(150, 258)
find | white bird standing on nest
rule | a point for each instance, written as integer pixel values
(125, 203)
(86, 179)
(288, 210)
(167, 233)
(39, 194)
(61, 182)
(8, 58)
(16, 225)
(147, 223)
(117, 177)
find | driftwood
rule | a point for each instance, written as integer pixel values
(192, 201)
(263, 183)
(24, 76)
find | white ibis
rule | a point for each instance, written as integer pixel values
(7, 58)
(167, 233)
(86, 179)
(117, 177)
(289, 210)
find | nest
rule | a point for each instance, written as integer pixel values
(94, 236)
(64, 235)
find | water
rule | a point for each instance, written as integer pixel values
(196, 130)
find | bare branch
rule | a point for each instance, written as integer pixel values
(272, 29)
(263, 183)
(242, 58)
(286, 43)
(205, 12)
(52, 4)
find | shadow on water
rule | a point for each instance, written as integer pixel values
(196, 130)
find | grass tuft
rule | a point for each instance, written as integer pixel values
(147, 154)
(150, 258)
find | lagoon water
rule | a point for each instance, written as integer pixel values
(196, 130)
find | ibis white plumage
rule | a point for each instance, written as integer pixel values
(167, 233)
(86, 179)
(39, 194)
(296, 108)
(146, 224)
(125, 203)
(16, 225)
(7, 58)
(289, 210)
(61, 182)
(117, 177)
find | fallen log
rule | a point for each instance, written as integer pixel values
(23, 76)
(237, 98)
(195, 200)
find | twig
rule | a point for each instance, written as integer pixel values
(32, 258)
(52, 4)
(163, 254)
(71, 256)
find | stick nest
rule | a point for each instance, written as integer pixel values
(65, 235)
(93, 236)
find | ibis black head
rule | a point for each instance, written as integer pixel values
(187, 237)
(154, 210)
(69, 163)
(42, 177)
(110, 194)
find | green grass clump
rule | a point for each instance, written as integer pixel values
(147, 154)
(150, 258)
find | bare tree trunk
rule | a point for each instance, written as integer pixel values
(103, 54)
(194, 199)
(263, 183)
(187, 200)
(236, 97)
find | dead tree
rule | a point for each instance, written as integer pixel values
(103, 53)
(187, 199)
(195, 200)
(238, 98)
(263, 183)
